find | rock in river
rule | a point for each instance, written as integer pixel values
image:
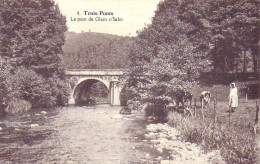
(118, 116)
(34, 125)
(125, 110)
(43, 112)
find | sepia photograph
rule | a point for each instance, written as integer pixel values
(129, 81)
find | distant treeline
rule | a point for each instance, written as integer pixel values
(95, 50)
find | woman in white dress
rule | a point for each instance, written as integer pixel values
(233, 97)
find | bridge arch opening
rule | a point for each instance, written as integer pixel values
(91, 92)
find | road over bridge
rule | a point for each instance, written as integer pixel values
(80, 78)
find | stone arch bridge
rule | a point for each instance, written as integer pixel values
(82, 77)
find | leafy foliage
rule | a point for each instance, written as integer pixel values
(188, 37)
(32, 33)
(234, 28)
(163, 60)
(31, 39)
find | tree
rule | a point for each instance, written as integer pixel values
(164, 60)
(31, 39)
(221, 29)
(32, 35)
(234, 28)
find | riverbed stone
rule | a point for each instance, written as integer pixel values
(1, 128)
(168, 138)
(166, 161)
(43, 112)
(160, 150)
(151, 135)
(154, 141)
(34, 125)
(118, 116)
(126, 118)
(102, 112)
(162, 135)
(17, 130)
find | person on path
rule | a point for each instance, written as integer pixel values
(233, 97)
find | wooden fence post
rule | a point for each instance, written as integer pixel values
(195, 106)
(248, 117)
(247, 93)
(229, 113)
(202, 107)
(257, 110)
(256, 116)
(215, 110)
(214, 115)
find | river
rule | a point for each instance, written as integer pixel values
(96, 134)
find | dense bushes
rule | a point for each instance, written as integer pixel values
(24, 87)
(39, 91)
(33, 88)
(3, 91)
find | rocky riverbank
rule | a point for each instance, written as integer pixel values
(167, 139)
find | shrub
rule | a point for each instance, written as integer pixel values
(155, 110)
(24, 86)
(60, 90)
(3, 89)
(34, 88)
(17, 106)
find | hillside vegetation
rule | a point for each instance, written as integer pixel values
(95, 51)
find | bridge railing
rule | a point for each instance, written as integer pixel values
(95, 72)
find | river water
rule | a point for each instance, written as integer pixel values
(96, 134)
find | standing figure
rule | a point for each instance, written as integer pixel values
(205, 100)
(233, 97)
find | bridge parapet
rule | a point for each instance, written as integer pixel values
(95, 72)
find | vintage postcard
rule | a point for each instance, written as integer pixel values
(129, 81)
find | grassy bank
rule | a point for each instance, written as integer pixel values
(236, 140)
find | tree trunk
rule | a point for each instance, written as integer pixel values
(258, 71)
(256, 53)
(255, 58)
(236, 68)
(244, 69)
